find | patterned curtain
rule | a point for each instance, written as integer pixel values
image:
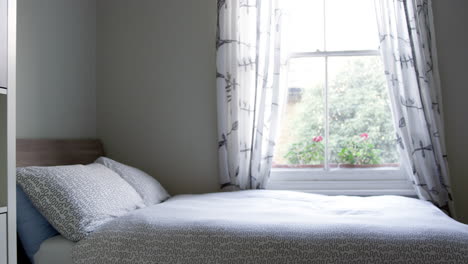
(248, 62)
(408, 51)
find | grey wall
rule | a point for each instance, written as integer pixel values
(56, 69)
(156, 93)
(451, 24)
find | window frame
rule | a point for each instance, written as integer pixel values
(349, 181)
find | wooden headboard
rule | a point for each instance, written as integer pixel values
(54, 152)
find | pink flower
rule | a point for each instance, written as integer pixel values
(317, 139)
(364, 136)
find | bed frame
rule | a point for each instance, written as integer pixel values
(54, 152)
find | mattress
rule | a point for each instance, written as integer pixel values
(55, 250)
(261, 226)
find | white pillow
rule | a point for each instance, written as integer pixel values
(148, 187)
(77, 199)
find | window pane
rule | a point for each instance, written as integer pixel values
(351, 25)
(302, 123)
(360, 121)
(303, 25)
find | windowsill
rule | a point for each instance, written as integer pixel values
(334, 166)
(356, 181)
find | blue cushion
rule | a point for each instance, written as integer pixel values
(33, 228)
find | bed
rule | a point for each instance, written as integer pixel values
(260, 226)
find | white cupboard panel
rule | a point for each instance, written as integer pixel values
(3, 239)
(3, 42)
(3, 150)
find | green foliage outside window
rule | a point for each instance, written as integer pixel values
(358, 103)
(308, 152)
(359, 151)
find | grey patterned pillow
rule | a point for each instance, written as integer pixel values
(148, 187)
(77, 199)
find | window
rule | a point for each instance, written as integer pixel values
(336, 126)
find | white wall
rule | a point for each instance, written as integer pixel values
(56, 69)
(156, 93)
(451, 22)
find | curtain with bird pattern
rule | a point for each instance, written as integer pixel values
(248, 94)
(408, 51)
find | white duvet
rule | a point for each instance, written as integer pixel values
(279, 227)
